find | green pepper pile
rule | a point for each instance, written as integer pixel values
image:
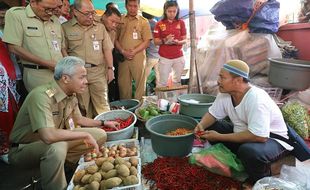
(149, 112)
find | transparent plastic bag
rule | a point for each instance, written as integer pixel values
(273, 183)
(295, 175)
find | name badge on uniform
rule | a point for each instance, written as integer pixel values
(71, 124)
(135, 35)
(55, 45)
(96, 45)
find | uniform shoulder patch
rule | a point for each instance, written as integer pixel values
(50, 92)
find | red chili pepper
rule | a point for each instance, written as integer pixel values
(172, 173)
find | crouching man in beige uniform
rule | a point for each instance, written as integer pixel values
(46, 133)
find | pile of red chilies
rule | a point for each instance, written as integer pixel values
(123, 123)
(172, 173)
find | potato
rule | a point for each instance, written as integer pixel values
(111, 159)
(77, 187)
(95, 177)
(131, 180)
(85, 178)
(110, 183)
(102, 173)
(99, 161)
(133, 170)
(78, 176)
(93, 186)
(128, 164)
(123, 170)
(110, 174)
(92, 169)
(107, 166)
(119, 160)
(134, 161)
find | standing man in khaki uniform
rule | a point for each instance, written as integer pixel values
(45, 132)
(35, 35)
(111, 20)
(89, 40)
(133, 38)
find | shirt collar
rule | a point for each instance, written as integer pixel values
(137, 16)
(31, 14)
(59, 94)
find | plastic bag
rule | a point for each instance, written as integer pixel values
(233, 13)
(220, 160)
(274, 183)
(297, 117)
(295, 175)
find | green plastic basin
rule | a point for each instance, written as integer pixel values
(195, 105)
(174, 146)
(130, 104)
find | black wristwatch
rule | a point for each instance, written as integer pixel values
(102, 122)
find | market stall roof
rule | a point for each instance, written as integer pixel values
(155, 7)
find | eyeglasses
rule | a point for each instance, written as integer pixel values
(49, 10)
(93, 13)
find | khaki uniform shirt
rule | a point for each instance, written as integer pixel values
(112, 35)
(41, 38)
(45, 106)
(133, 31)
(87, 43)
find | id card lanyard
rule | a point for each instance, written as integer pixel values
(55, 43)
(96, 45)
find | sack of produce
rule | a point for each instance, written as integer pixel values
(297, 117)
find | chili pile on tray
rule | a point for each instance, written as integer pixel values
(174, 173)
(179, 131)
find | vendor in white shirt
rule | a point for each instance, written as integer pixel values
(253, 115)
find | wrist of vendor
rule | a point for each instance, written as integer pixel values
(102, 122)
(201, 127)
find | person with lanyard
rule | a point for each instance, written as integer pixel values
(111, 20)
(170, 35)
(133, 37)
(35, 35)
(47, 131)
(89, 40)
(254, 117)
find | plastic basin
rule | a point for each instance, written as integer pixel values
(172, 146)
(290, 74)
(120, 134)
(195, 105)
(130, 104)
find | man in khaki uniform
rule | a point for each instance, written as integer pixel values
(89, 40)
(35, 35)
(111, 19)
(46, 132)
(133, 38)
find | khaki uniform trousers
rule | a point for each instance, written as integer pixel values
(132, 69)
(94, 100)
(51, 158)
(36, 77)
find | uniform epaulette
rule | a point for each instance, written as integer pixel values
(17, 8)
(51, 92)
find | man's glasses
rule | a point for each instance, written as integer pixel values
(87, 14)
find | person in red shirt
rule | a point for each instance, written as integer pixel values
(170, 35)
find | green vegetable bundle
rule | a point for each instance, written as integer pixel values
(297, 117)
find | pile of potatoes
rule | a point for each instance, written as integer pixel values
(107, 173)
(120, 150)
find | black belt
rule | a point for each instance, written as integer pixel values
(14, 145)
(89, 65)
(34, 66)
